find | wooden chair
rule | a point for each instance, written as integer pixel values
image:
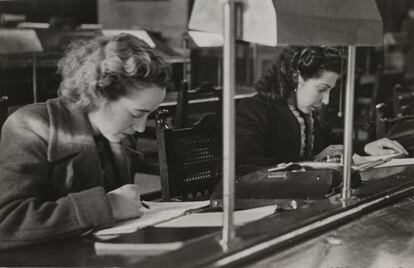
(180, 118)
(183, 117)
(403, 101)
(182, 105)
(386, 125)
(400, 109)
(190, 159)
(3, 110)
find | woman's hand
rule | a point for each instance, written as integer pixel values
(384, 146)
(125, 202)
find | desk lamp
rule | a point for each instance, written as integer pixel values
(18, 41)
(284, 22)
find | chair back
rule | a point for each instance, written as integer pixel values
(186, 117)
(190, 159)
(400, 127)
(403, 101)
(400, 109)
(3, 110)
(182, 105)
(382, 123)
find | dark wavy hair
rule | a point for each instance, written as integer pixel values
(280, 78)
(101, 67)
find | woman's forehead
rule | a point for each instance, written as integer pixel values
(325, 75)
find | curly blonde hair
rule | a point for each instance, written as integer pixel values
(101, 67)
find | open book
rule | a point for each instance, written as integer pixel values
(363, 163)
(158, 212)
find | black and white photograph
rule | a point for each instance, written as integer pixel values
(207, 133)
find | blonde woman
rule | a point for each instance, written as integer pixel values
(65, 165)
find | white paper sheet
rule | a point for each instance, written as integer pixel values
(215, 219)
(397, 162)
(158, 212)
(359, 160)
(102, 248)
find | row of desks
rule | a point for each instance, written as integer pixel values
(367, 238)
(195, 98)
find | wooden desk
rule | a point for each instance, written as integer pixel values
(81, 252)
(383, 238)
(359, 239)
(268, 239)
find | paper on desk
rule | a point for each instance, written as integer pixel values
(103, 248)
(397, 162)
(158, 212)
(393, 160)
(359, 160)
(215, 219)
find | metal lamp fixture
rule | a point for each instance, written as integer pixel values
(284, 22)
(296, 22)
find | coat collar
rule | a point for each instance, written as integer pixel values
(71, 134)
(70, 130)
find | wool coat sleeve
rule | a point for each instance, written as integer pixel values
(30, 212)
(256, 133)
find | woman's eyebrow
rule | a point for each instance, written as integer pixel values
(141, 110)
(323, 84)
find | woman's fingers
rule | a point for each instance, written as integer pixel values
(394, 145)
(125, 202)
(399, 147)
(385, 146)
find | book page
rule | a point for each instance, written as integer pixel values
(157, 212)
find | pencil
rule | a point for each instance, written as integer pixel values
(145, 205)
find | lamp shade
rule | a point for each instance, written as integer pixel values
(297, 22)
(206, 39)
(19, 41)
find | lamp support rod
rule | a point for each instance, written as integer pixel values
(348, 123)
(229, 65)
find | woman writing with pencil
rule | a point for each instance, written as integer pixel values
(66, 166)
(280, 123)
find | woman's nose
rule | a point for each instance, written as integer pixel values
(325, 98)
(139, 125)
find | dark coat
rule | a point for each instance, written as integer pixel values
(267, 133)
(50, 175)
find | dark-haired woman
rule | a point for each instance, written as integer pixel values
(279, 124)
(65, 165)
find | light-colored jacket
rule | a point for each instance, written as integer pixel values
(50, 175)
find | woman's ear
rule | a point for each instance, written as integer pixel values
(296, 77)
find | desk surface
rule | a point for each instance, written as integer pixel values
(365, 240)
(383, 238)
(81, 251)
